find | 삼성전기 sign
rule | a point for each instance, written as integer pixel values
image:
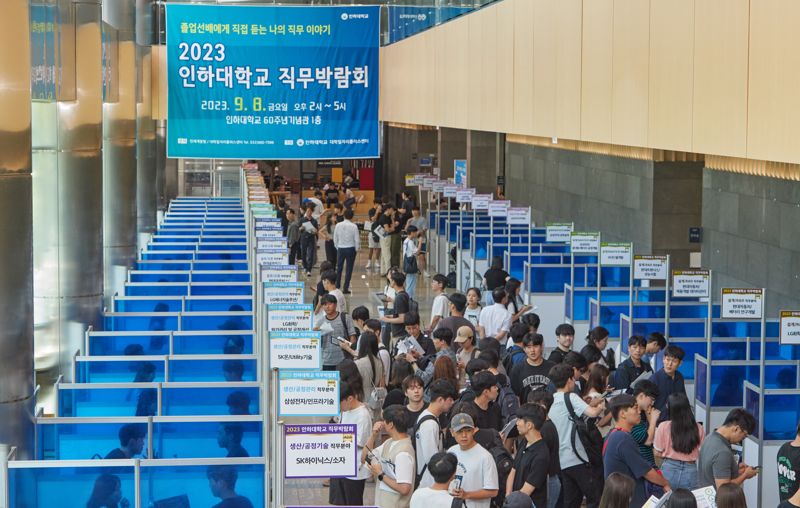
(269, 82)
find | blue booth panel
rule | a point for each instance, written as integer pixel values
(727, 381)
(224, 289)
(212, 370)
(782, 412)
(701, 380)
(141, 322)
(156, 289)
(163, 266)
(81, 440)
(118, 344)
(221, 276)
(548, 278)
(99, 400)
(164, 237)
(167, 256)
(199, 439)
(190, 343)
(226, 238)
(218, 321)
(218, 304)
(233, 247)
(163, 304)
(95, 370)
(210, 400)
(208, 233)
(189, 247)
(209, 266)
(68, 487)
(184, 486)
(775, 350)
(148, 276)
(221, 256)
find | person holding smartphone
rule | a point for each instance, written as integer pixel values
(442, 468)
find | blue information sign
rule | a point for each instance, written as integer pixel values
(268, 82)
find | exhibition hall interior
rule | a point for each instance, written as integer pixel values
(399, 253)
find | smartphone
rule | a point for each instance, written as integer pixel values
(456, 483)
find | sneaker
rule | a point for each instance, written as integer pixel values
(308, 274)
(369, 263)
(348, 292)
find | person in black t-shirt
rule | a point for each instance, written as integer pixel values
(401, 308)
(229, 437)
(529, 474)
(789, 467)
(131, 442)
(487, 412)
(550, 437)
(495, 277)
(222, 481)
(532, 374)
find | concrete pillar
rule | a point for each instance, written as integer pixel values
(16, 235)
(402, 150)
(146, 167)
(677, 206)
(451, 145)
(485, 160)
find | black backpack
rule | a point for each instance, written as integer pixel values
(413, 437)
(492, 441)
(587, 432)
(508, 401)
(508, 361)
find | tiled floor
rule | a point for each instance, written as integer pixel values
(364, 282)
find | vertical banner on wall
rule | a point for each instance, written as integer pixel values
(460, 172)
(269, 82)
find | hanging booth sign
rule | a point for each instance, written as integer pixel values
(518, 216)
(650, 267)
(450, 191)
(308, 393)
(272, 256)
(498, 208)
(691, 284)
(283, 293)
(481, 201)
(278, 273)
(615, 254)
(271, 243)
(321, 450)
(742, 303)
(464, 195)
(558, 232)
(295, 350)
(790, 327)
(584, 243)
(290, 318)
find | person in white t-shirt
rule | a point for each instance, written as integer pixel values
(495, 320)
(441, 304)
(442, 467)
(329, 283)
(427, 433)
(476, 467)
(319, 208)
(350, 491)
(392, 463)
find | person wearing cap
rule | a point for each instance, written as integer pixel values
(465, 342)
(479, 479)
(488, 413)
(442, 467)
(397, 452)
(456, 320)
(531, 463)
(621, 453)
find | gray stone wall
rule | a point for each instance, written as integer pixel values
(613, 195)
(751, 235)
(401, 156)
(677, 206)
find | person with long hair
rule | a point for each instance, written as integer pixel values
(681, 498)
(597, 341)
(495, 277)
(443, 368)
(618, 491)
(473, 310)
(730, 495)
(107, 493)
(515, 304)
(349, 373)
(371, 370)
(326, 234)
(677, 441)
(595, 387)
(399, 371)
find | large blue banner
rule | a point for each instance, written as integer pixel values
(264, 82)
(406, 20)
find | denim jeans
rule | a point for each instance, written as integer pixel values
(411, 284)
(680, 474)
(553, 490)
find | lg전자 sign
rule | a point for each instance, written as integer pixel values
(283, 293)
(615, 254)
(650, 267)
(691, 284)
(742, 303)
(481, 201)
(558, 232)
(464, 195)
(308, 393)
(584, 243)
(290, 318)
(518, 216)
(321, 450)
(295, 350)
(790, 327)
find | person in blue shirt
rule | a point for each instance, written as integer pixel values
(222, 482)
(668, 379)
(656, 342)
(634, 366)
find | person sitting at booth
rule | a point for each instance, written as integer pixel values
(131, 442)
(229, 437)
(107, 493)
(222, 482)
(668, 379)
(238, 403)
(233, 370)
(633, 367)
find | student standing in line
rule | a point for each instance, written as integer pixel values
(309, 226)
(397, 452)
(439, 309)
(533, 373)
(565, 336)
(473, 310)
(465, 341)
(495, 277)
(515, 305)
(789, 467)
(579, 477)
(401, 308)
(488, 414)
(495, 320)
(386, 225)
(529, 474)
(655, 343)
(597, 340)
(338, 325)
(516, 352)
(441, 343)
(628, 371)
(677, 442)
(350, 491)
(329, 283)
(668, 379)
(347, 241)
(373, 240)
(410, 260)
(421, 223)
(413, 329)
(621, 453)
(293, 236)
(479, 478)
(428, 433)
(716, 464)
(457, 304)
(550, 436)
(442, 468)
(326, 234)
(644, 432)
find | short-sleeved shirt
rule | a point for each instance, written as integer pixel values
(439, 307)
(235, 502)
(421, 223)
(716, 461)
(403, 467)
(494, 319)
(621, 455)
(473, 315)
(526, 378)
(426, 497)
(332, 354)
(531, 466)
(495, 278)
(341, 302)
(550, 437)
(788, 469)
(666, 387)
(662, 442)
(478, 471)
(560, 417)
(428, 443)
(362, 419)
(639, 434)
(401, 306)
(489, 418)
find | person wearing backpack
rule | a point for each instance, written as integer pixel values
(442, 467)
(516, 353)
(427, 434)
(441, 343)
(476, 466)
(487, 411)
(465, 342)
(580, 477)
(337, 325)
(507, 400)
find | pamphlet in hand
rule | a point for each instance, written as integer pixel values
(642, 377)
(406, 345)
(510, 427)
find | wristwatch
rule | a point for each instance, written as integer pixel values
(380, 477)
